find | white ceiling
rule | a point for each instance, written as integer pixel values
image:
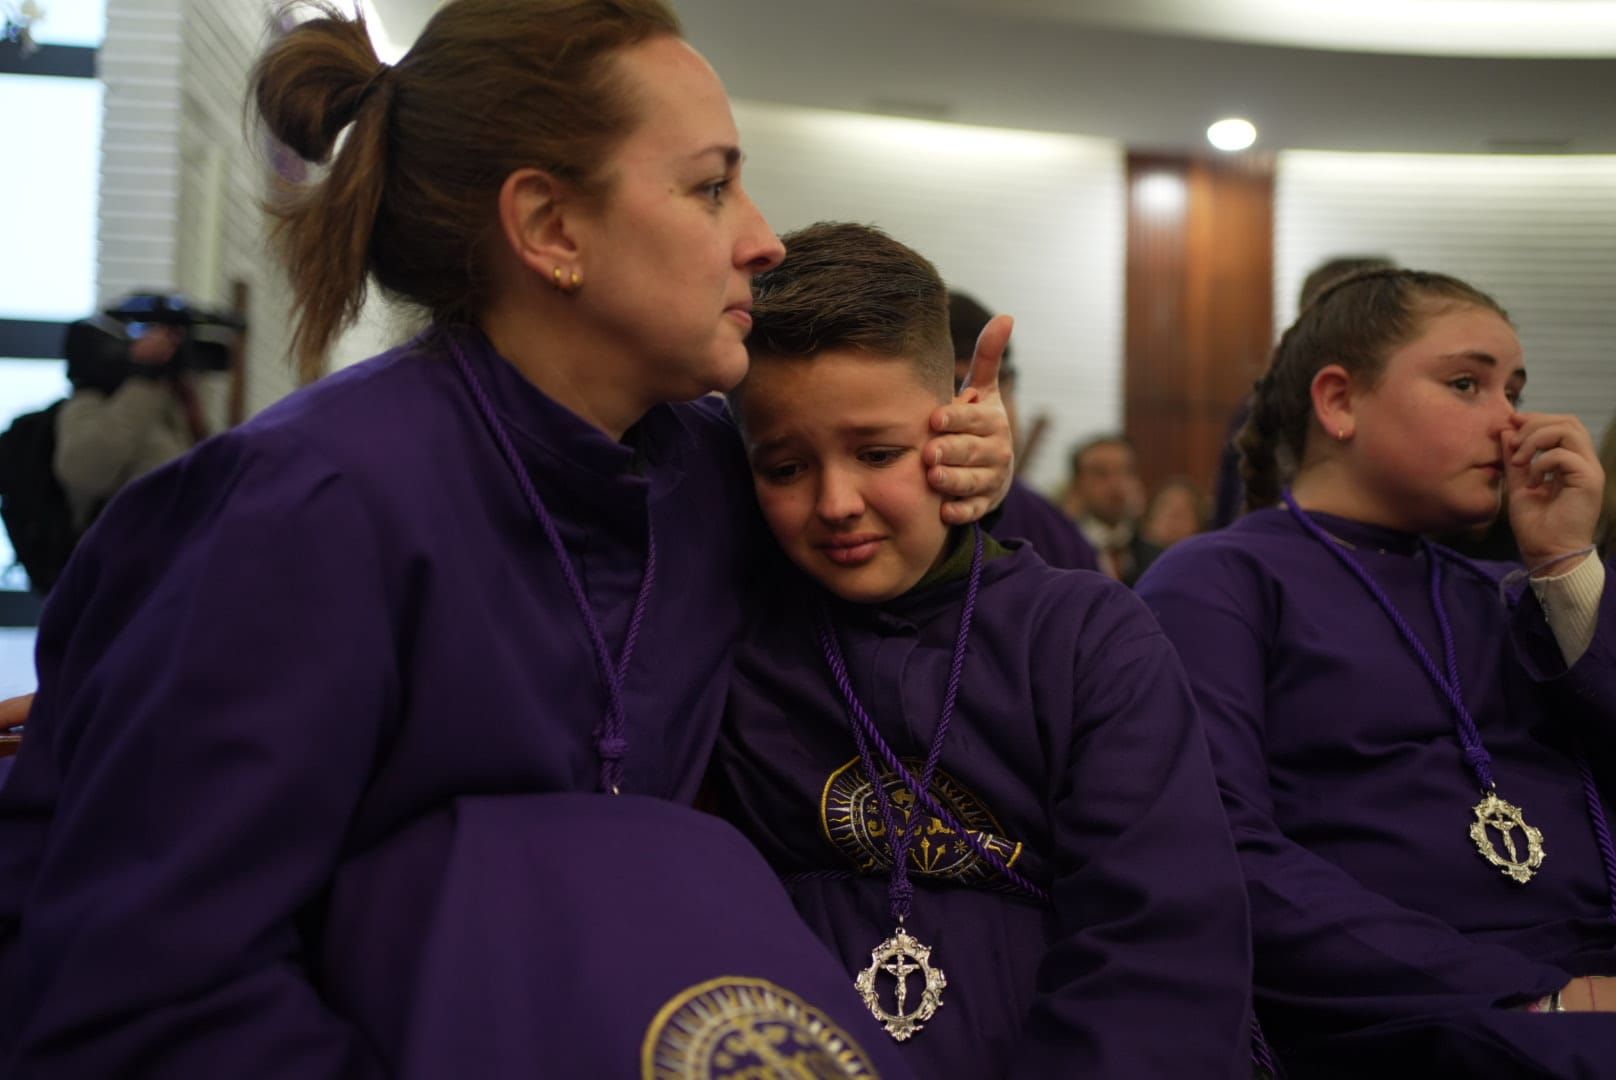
(1154, 73)
(1431, 27)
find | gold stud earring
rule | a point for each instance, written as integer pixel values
(558, 283)
(1340, 434)
(577, 279)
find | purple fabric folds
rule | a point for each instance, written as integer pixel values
(273, 657)
(582, 935)
(1027, 515)
(1382, 939)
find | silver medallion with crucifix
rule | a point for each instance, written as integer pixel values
(1506, 818)
(902, 956)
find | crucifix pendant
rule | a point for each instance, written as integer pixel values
(902, 956)
(1504, 817)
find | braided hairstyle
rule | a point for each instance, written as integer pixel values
(1357, 322)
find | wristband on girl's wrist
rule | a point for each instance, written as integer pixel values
(1534, 571)
(1529, 573)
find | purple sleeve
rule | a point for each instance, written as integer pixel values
(1027, 515)
(1330, 954)
(1586, 691)
(214, 670)
(1151, 919)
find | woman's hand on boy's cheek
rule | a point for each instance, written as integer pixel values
(972, 459)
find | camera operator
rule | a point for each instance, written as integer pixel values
(112, 430)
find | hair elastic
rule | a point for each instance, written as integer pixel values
(1515, 577)
(370, 84)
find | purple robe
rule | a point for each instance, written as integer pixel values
(1027, 515)
(1382, 938)
(1075, 749)
(279, 654)
(581, 935)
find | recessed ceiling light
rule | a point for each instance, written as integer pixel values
(1232, 134)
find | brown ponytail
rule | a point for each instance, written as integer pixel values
(1356, 321)
(410, 197)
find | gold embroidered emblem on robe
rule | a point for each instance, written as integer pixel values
(850, 816)
(744, 1027)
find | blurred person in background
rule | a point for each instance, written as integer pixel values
(117, 427)
(1176, 512)
(1105, 478)
(134, 370)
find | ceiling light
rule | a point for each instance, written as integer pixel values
(1232, 134)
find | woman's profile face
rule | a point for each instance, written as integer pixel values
(667, 257)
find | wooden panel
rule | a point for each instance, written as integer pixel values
(1199, 305)
(1156, 305)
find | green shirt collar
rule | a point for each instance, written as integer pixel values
(956, 565)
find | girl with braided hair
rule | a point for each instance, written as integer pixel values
(1417, 753)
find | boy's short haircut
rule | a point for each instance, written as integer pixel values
(845, 286)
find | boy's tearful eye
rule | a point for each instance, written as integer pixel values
(782, 473)
(881, 457)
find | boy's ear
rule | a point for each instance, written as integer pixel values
(535, 212)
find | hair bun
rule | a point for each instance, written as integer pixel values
(312, 83)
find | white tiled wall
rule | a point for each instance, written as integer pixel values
(181, 182)
(1538, 233)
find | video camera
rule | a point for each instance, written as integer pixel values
(97, 348)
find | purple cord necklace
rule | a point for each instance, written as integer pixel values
(901, 955)
(1492, 811)
(611, 740)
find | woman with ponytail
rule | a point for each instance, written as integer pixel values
(1417, 753)
(367, 733)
